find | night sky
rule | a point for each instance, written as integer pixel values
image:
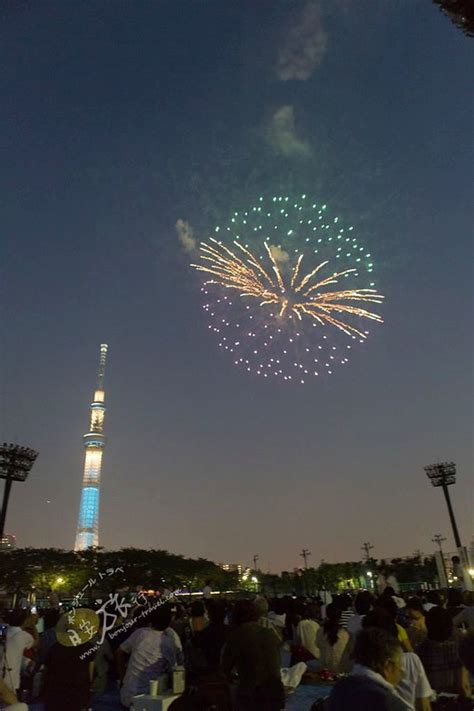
(120, 118)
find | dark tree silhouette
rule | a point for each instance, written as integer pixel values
(461, 12)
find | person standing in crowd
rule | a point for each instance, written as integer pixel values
(69, 662)
(53, 599)
(332, 640)
(440, 655)
(207, 590)
(255, 653)
(151, 653)
(377, 670)
(17, 641)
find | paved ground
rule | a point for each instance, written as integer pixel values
(301, 700)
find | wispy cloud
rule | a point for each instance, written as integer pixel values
(282, 135)
(185, 235)
(304, 45)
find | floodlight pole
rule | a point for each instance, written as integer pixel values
(15, 465)
(451, 514)
(443, 474)
(6, 496)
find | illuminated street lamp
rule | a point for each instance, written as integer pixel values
(15, 465)
(444, 475)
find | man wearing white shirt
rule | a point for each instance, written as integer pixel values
(152, 653)
(11, 654)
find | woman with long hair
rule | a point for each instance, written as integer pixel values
(332, 641)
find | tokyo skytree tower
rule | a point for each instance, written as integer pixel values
(94, 442)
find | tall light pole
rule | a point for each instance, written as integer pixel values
(444, 475)
(304, 554)
(15, 465)
(438, 538)
(367, 547)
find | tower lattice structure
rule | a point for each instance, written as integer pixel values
(94, 442)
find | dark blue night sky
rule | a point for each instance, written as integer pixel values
(118, 119)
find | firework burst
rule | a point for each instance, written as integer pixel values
(274, 289)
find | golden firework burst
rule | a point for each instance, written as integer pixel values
(293, 294)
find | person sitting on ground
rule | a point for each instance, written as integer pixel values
(466, 651)
(414, 687)
(433, 599)
(174, 636)
(8, 700)
(180, 621)
(344, 602)
(389, 592)
(213, 637)
(69, 663)
(151, 653)
(262, 607)
(377, 670)
(389, 604)
(416, 629)
(255, 653)
(466, 616)
(440, 655)
(307, 630)
(277, 616)
(332, 640)
(198, 616)
(363, 603)
(454, 602)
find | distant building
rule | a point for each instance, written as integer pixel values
(8, 542)
(232, 567)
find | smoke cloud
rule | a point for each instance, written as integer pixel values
(185, 235)
(304, 45)
(282, 134)
(279, 254)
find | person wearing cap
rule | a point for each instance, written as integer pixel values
(69, 663)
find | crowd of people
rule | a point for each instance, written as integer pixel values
(384, 652)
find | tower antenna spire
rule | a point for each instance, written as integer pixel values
(102, 361)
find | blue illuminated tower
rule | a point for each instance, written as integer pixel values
(94, 441)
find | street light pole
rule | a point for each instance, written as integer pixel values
(304, 554)
(438, 538)
(367, 547)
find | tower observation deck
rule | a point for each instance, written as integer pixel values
(94, 442)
